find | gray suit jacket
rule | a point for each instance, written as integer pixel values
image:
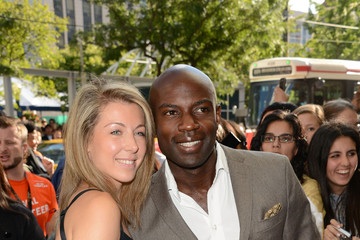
(260, 180)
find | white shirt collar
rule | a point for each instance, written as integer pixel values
(221, 164)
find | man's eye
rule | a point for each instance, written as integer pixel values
(202, 109)
(170, 113)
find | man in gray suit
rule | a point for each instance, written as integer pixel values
(205, 190)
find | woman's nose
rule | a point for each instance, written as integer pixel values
(276, 143)
(131, 144)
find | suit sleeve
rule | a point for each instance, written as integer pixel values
(299, 224)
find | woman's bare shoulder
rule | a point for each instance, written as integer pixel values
(94, 215)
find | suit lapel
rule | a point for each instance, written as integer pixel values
(240, 176)
(167, 209)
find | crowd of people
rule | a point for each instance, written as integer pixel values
(171, 167)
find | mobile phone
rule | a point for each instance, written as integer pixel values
(282, 83)
(231, 140)
(343, 231)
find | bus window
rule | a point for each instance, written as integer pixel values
(309, 80)
(300, 91)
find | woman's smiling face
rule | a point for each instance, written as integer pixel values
(342, 163)
(118, 145)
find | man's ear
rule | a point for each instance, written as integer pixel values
(218, 114)
(25, 146)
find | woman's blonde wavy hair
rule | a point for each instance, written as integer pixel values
(83, 116)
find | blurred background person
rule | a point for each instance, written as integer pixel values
(35, 192)
(57, 133)
(47, 134)
(230, 134)
(333, 161)
(341, 110)
(36, 161)
(43, 124)
(311, 117)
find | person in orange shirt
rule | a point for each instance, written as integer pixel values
(35, 192)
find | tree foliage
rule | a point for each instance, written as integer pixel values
(219, 37)
(83, 54)
(28, 35)
(335, 42)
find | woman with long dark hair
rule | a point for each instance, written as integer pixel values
(333, 161)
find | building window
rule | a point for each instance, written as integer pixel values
(98, 14)
(59, 11)
(86, 15)
(70, 13)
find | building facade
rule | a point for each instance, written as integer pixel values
(301, 34)
(81, 14)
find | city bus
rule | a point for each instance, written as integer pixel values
(308, 80)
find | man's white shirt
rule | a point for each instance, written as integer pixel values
(221, 221)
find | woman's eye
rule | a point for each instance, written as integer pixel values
(116, 132)
(352, 153)
(141, 133)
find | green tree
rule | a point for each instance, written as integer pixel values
(82, 54)
(28, 35)
(220, 37)
(335, 42)
(29, 32)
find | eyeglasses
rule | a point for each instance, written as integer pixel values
(284, 138)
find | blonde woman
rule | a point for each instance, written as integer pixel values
(109, 147)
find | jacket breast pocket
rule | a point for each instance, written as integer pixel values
(271, 228)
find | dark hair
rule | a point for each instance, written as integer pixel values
(319, 149)
(30, 126)
(333, 108)
(227, 126)
(298, 162)
(284, 106)
(6, 202)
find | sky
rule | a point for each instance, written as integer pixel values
(301, 5)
